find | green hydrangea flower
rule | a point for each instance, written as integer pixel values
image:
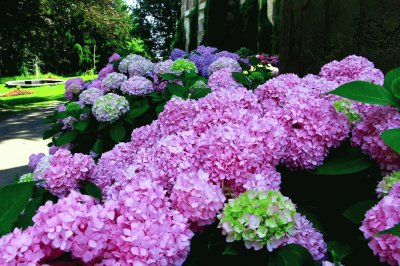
(25, 178)
(259, 218)
(387, 183)
(182, 65)
(345, 107)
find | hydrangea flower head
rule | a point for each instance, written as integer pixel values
(137, 85)
(141, 68)
(106, 71)
(223, 80)
(163, 67)
(114, 57)
(177, 53)
(34, 160)
(224, 63)
(387, 183)
(73, 87)
(63, 171)
(383, 216)
(110, 107)
(90, 95)
(183, 65)
(126, 62)
(114, 80)
(259, 218)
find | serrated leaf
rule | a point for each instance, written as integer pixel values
(392, 231)
(390, 77)
(49, 133)
(391, 138)
(98, 146)
(241, 78)
(291, 255)
(160, 108)
(169, 76)
(338, 251)
(199, 93)
(117, 132)
(345, 160)
(137, 112)
(230, 250)
(356, 213)
(13, 200)
(92, 190)
(66, 138)
(25, 220)
(81, 126)
(365, 92)
(178, 90)
(395, 88)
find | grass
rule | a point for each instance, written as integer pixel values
(42, 96)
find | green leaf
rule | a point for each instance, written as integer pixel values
(117, 132)
(230, 250)
(92, 190)
(199, 93)
(160, 108)
(13, 200)
(356, 213)
(66, 138)
(312, 218)
(254, 61)
(25, 220)
(291, 255)
(395, 88)
(365, 92)
(49, 133)
(241, 78)
(103, 126)
(137, 112)
(81, 126)
(392, 231)
(391, 138)
(178, 90)
(390, 77)
(170, 76)
(345, 160)
(98, 146)
(338, 251)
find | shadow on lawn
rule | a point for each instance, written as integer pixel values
(7, 176)
(10, 103)
(24, 125)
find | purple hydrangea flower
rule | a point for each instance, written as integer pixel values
(177, 53)
(137, 85)
(114, 81)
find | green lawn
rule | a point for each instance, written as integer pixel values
(41, 96)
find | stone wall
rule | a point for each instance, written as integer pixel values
(314, 32)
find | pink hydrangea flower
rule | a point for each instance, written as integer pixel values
(223, 80)
(385, 215)
(63, 171)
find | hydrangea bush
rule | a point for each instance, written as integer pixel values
(186, 161)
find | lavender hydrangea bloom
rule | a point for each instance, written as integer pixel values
(110, 107)
(125, 63)
(137, 85)
(105, 71)
(163, 67)
(73, 87)
(141, 68)
(114, 57)
(114, 81)
(90, 95)
(206, 50)
(229, 55)
(177, 53)
(224, 63)
(203, 62)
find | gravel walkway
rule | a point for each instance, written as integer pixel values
(20, 136)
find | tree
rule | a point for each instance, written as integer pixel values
(157, 20)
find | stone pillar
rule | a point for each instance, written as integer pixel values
(314, 32)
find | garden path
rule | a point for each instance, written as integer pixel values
(20, 136)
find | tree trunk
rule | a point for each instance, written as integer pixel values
(314, 32)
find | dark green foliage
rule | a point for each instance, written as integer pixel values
(276, 29)
(60, 35)
(194, 26)
(157, 32)
(222, 25)
(265, 29)
(179, 38)
(249, 12)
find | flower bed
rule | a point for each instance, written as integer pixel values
(208, 159)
